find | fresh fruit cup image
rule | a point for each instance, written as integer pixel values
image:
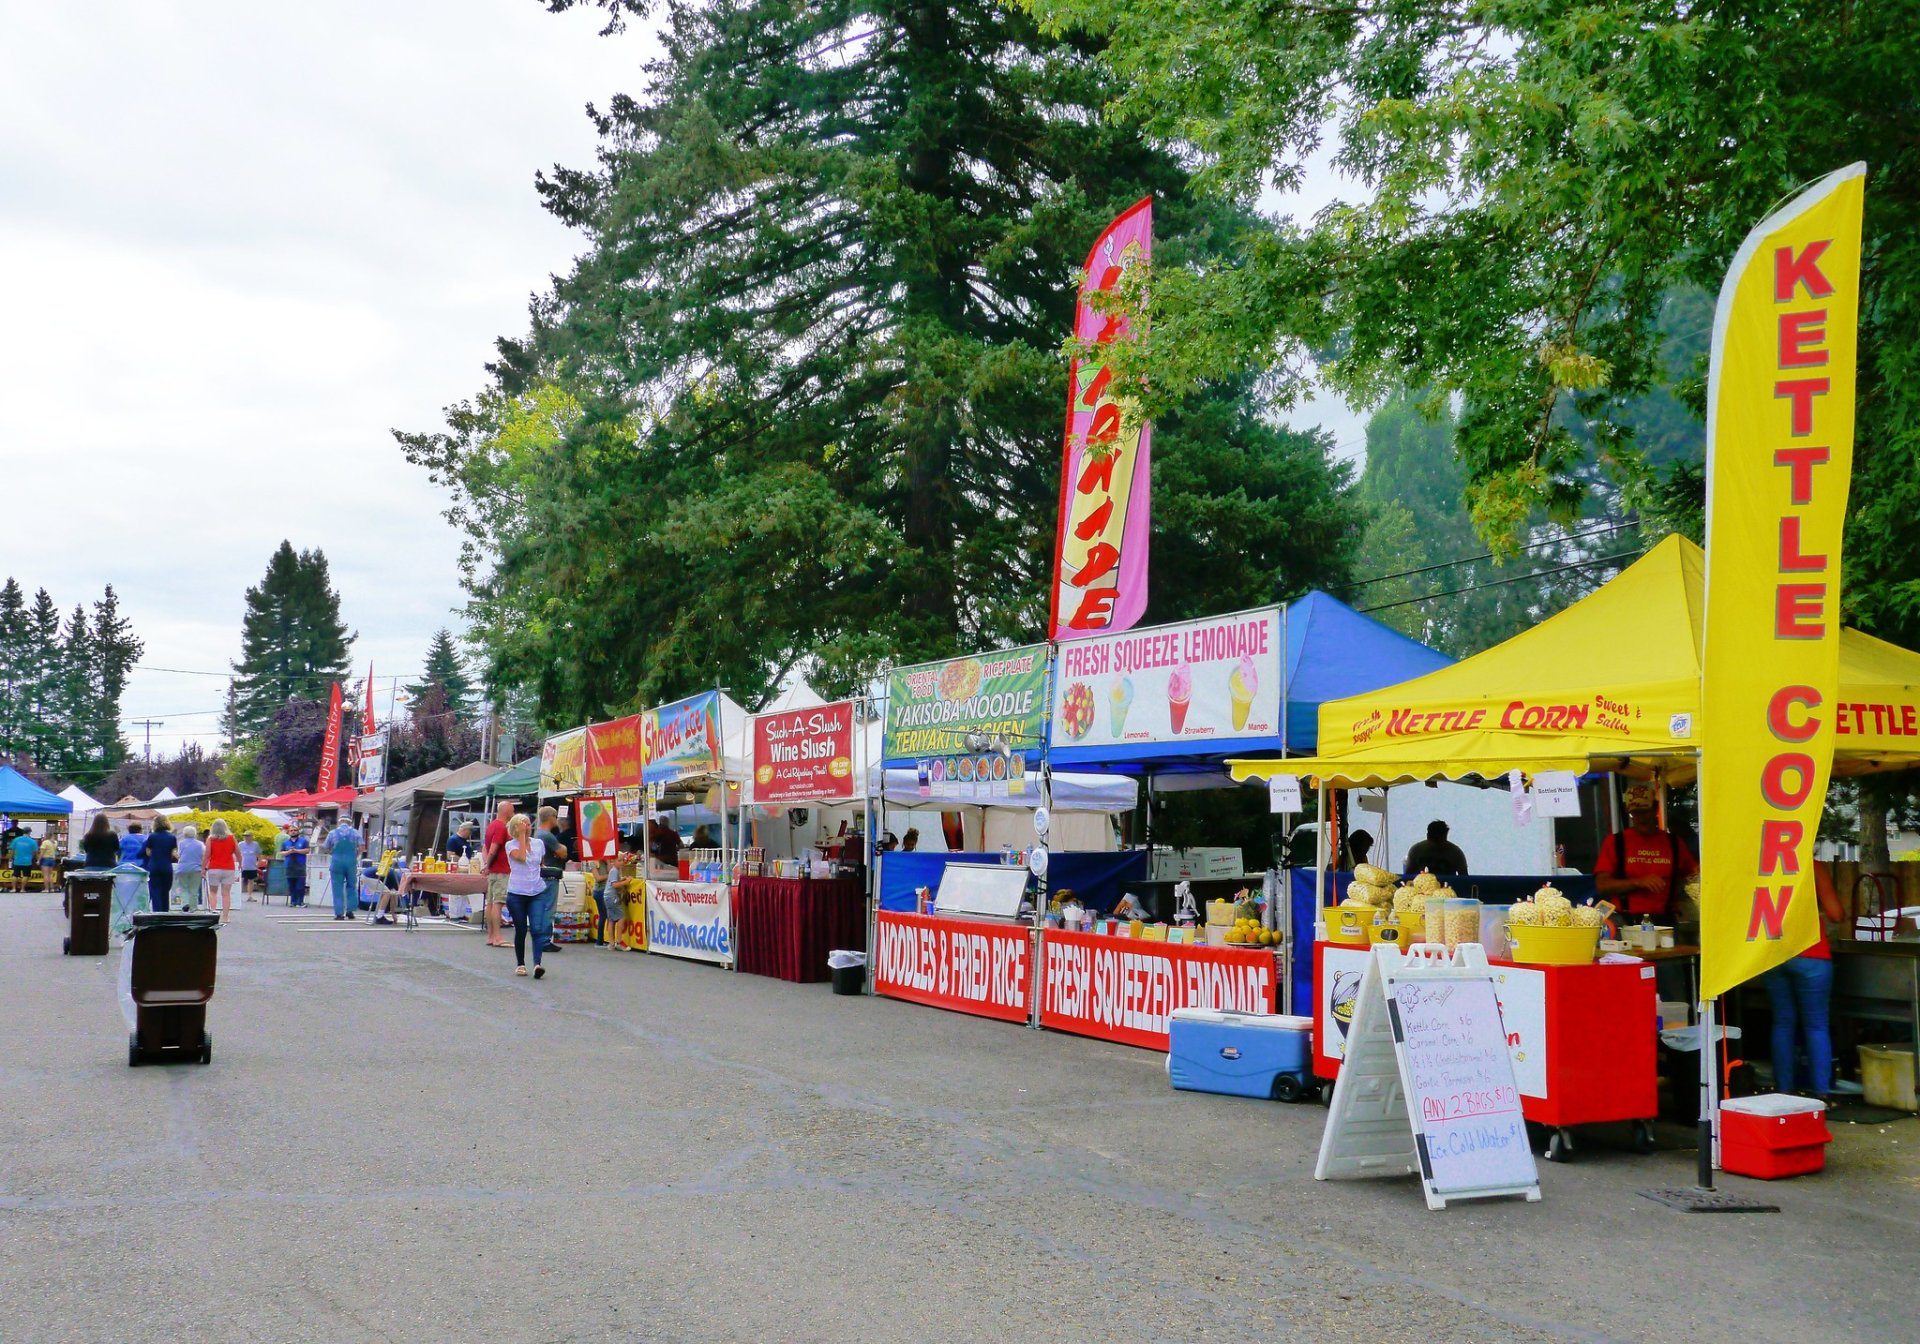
(1119, 701)
(1179, 696)
(1243, 684)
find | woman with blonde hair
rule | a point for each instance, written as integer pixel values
(525, 887)
(223, 860)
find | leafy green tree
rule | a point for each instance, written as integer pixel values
(1535, 181)
(800, 400)
(448, 673)
(293, 644)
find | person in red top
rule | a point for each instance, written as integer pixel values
(1642, 869)
(1799, 991)
(223, 869)
(497, 870)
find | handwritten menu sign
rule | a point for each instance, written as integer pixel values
(1460, 1086)
(1426, 1085)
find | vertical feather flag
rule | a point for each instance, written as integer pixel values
(1100, 554)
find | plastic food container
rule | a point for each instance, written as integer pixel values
(1462, 921)
(1350, 925)
(1540, 945)
(1433, 919)
(1772, 1136)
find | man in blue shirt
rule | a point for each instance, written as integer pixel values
(21, 855)
(295, 853)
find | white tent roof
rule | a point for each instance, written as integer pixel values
(797, 696)
(82, 801)
(166, 795)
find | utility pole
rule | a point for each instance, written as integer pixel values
(149, 725)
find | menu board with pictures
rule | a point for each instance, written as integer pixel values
(1170, 689)
(933, 710)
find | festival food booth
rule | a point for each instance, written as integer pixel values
(964, 739)
(610, 799)
(807, 754)
(1609, 685)
(685, 757)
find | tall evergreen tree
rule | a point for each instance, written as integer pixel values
(80, 699)
(15, 668)
(293, 643)
(446, 671)
(44, 732)
(118, 649)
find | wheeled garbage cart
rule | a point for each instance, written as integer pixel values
(166, 978)
(89, 912)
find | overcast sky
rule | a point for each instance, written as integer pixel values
(239, 244)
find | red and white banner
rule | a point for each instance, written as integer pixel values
(978, 968)
(692, 920)
(1125, 989)
(804, 755)
(1100, 551)
(330, 747)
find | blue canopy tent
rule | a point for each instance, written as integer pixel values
(21, 797)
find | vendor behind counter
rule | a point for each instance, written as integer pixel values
(1643, 869)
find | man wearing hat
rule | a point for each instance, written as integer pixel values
(1643, 868)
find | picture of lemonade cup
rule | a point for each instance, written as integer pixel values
(1119, 701)
(1179, 696)
(1243, 685)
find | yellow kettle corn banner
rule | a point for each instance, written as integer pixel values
(1779, 458)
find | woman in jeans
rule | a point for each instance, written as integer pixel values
(157, 853)
(1799, 991)
(525, 888)
(223, 857)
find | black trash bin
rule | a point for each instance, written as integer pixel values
(849, 971)
(89, 912)
(167, 981)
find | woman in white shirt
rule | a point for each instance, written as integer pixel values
(525, 887)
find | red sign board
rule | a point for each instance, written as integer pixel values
(614, 755)
(804, 755)
(965, 965)
(1125, 989)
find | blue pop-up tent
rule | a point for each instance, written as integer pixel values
(21, 797)
(1333, 652)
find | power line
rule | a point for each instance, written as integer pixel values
(1511, 578)
(1474, 559)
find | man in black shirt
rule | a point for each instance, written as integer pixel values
(1436, 854)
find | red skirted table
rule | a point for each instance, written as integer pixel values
(785, 926)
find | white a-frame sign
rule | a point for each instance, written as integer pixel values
(1427, 1085)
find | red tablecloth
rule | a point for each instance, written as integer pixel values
(785, 926)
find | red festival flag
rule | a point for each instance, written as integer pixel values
(330, 747)
(1100, 554)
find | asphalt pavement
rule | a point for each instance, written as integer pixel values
(399, 1140)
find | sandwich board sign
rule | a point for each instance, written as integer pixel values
(1427, 1085)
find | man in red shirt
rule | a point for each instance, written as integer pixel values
(1642, 869)
(495, 864)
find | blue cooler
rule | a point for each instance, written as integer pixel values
(1241, 1054)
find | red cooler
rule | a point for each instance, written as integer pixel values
(1773, 1136)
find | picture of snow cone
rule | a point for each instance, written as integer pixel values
(1119, 701)
(1243, 685)
(1179, 696)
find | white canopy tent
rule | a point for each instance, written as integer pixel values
(84, 806)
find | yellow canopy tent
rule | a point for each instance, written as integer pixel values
(1611, 683)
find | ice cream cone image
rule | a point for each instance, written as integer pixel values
(1119, 701)
(1179, 696)
(1243, 685)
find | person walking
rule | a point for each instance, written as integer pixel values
(192, 865)
(525, 890)
(496, 867)
(22, 853)
(100, 846)
(157, 853)
(296, 851)
(343, 870)
(223, 869)
(553, 867)
(249, 866)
